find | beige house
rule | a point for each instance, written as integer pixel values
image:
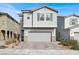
(9, 27)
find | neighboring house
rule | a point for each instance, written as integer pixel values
(72, 27)
(9, 27)
(39, 25)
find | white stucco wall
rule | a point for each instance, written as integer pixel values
(45, 23)
(67, 21)
(73, 30)
(27, 22)
(36, 23)
(26, 31)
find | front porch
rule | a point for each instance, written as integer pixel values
(7, 35)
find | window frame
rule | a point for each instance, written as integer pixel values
(28, 17)
(73, 21)
(39, 16)
(44, 15)
(50, 16)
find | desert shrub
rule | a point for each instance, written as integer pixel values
(73, 43)
(3, 46)
(69, 42)
(75, 47)
(7, 42)
(14, 41)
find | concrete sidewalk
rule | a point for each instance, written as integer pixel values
(37, 52)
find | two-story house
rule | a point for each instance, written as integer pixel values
(72, 27)
(39, 25)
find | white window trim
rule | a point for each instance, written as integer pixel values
(71, 20)
(45, 14)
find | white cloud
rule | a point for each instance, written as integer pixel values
(8, 8)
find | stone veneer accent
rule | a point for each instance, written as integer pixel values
(8, 23)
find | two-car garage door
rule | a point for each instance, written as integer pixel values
(39, 36)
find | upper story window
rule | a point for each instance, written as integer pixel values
(48, 16)
(73, 21)
(40, 17)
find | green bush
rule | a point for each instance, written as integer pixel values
(14, 41)
(7, 42)
(3, 46)
(73, 43)
(75, 47)
(69, 42)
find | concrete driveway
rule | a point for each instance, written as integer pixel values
(38, 49)
(41, 46)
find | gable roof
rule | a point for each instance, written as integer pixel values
(2, 13)
(46, 7)
(74, 26)
(40, 8)
(72, 15)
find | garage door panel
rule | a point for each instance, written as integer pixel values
(39, 36)
(39, 32)
(76, 36)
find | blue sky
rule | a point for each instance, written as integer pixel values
(63, 8)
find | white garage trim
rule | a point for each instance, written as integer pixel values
(40, 36)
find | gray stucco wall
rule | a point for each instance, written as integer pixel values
(61, 33)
